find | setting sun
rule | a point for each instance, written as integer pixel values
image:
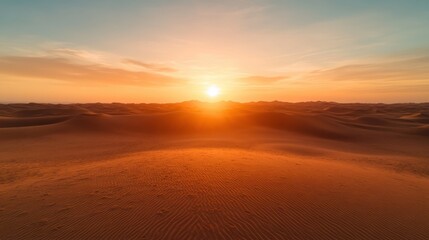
(213, 91)
(226, 119)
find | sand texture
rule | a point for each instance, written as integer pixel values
(265, 170)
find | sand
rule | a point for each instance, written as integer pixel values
(214, 171)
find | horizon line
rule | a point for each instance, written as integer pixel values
(215, 102)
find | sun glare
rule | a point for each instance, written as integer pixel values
(213, 91)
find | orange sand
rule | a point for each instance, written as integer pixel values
(214, 171)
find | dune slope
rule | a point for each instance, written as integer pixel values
(216, 194)
(214, 171)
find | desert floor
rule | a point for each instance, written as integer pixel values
(191, 170)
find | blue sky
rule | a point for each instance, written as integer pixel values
(254, 50)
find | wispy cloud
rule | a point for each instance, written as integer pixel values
(75, 53)
(256, 80)
(405, 69)
(63, 69)
(150, 66)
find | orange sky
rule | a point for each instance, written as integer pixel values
(172, 51)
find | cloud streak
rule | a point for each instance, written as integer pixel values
(63, 69)
(150, 66)
(404, 69)
(261, 80)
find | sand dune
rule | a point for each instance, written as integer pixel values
(6, 122)
(196, 170)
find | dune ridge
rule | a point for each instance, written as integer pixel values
(263, 170)
(340, 121)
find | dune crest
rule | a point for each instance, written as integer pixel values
(214, 171)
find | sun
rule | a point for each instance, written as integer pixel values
(212, 91)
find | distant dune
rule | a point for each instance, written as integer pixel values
(192, 170)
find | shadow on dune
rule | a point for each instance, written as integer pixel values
(192, 123)
(341, 122)
(10, 122)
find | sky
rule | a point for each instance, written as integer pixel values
(173, 50)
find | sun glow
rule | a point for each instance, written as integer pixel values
(213, 91)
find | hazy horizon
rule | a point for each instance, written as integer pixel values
(227, 119)
(214, 170)
(172, 51)
(210, 102)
